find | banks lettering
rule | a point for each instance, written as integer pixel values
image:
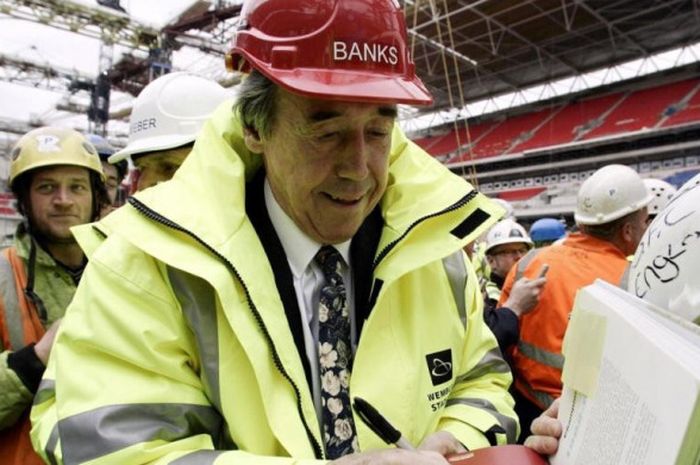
(364, 52)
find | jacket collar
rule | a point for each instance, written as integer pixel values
(207, 194)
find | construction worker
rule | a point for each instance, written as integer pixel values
(664, 272)
(661, 192)
(477, 250)
(57, 179)
(305, 255)
(164, 123)
(546, 231)
(506, 242)
(611, 213)
(114, 173)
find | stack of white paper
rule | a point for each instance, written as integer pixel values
(631, 383)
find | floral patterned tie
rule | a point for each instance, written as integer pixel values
(335, 358)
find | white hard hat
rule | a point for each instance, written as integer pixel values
(665, 266)
(506, 232)
(169, 112)
(610, 193)
(661, 192)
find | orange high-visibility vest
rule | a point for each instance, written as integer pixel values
(577, 262)
(15, 445)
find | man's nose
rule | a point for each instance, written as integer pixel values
(63, 196)
(354, 161)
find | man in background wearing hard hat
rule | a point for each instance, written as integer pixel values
(507, 242)
(164, 122)
(114, 173)
(57, 178)
(306, 254)
(611, 213)
(661, 192)
(546, 231)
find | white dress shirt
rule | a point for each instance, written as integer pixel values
(300, 250)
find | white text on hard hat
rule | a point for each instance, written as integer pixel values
(143, 124)
(377, 53)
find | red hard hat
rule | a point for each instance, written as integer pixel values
(355, 50)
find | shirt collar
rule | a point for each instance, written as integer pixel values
(299, 248)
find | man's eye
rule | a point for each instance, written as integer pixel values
(327, 136)
(45, 188)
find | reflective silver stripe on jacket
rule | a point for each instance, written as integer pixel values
(13, 315)
(90, 435)
(51, 445)
(509, 425)
(201, 457)
(540, 355)
(46, 391)
(456, 271)
(196, 298)
(491, 362)
(542, 397)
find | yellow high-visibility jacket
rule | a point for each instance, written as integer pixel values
(176, 348)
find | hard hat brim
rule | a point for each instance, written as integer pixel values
(593, 220)
(347, 85)
(152, 144)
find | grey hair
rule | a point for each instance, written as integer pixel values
(255, 104)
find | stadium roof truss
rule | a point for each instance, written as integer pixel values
(466, 51)
(469, 51)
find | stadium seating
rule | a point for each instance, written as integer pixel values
(642, 109)
(504, 136)
(659, 106)
(569, 123)
(520, 194)
(687, 112)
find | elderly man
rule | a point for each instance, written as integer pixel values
(58, 181)
(611, 213)
(304, 255)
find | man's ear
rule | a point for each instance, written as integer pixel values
(627, 234)
(252, 140)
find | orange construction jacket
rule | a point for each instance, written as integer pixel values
(577, 262)
(15, 445)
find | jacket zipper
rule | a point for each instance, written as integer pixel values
(389, 247)
(146, 211)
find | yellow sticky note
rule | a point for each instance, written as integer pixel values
(583, 350)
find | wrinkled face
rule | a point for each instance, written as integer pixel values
(502, 257)
(327, 162)
(159, 166)
(111, 181)
(59, 198)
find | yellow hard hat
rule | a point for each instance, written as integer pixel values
(50, 146)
